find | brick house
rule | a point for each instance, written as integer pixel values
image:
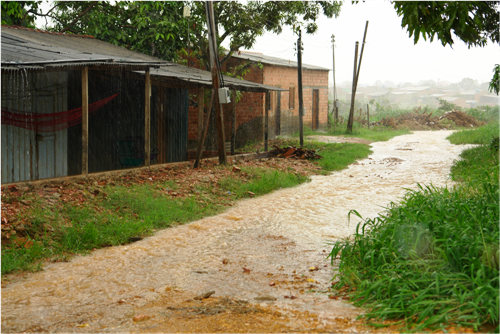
(283, 106)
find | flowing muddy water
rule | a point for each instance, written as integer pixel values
(277, 238)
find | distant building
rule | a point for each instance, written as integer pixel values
(284, 106)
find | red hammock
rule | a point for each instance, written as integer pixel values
(49, 122)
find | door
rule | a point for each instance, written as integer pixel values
(277, 122)
(315, 109)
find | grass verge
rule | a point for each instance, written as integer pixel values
(377, 133)
(433, 259)
(55, 223)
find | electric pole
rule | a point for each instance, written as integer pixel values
(350, 121)
(301, 101)
(212, 43)
(334, 111)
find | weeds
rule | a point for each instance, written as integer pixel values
(432, 259)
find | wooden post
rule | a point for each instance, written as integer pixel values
(368, 115)
(233, 124)
(85, 121)
(147, 120)
(353, 94)
(201, 110)
(205, 131)
(215, 81)
(361, 55)
(266, 120)
(301, 100)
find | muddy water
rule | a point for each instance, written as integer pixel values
(277, 237)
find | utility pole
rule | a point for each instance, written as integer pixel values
(353, 94)
(215, 80)
(301, 101)
(334, 86)
(361, 56)
(187, 13)
(355, 80)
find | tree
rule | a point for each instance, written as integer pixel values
(19, 13)
(157, 27)
(473, 22)
(468, 84)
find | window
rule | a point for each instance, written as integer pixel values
(291, 96)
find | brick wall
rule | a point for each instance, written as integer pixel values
(285, 77)
(250, 108)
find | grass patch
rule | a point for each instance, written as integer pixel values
(377, 133)
(433, 259)
(124, 211)
(130, 211)
(482, 135)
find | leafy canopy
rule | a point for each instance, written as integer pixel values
(158, 27)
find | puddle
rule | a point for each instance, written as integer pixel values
(277, 238)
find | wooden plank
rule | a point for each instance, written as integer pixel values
(161, 125)
(147, 120)
(233, 124)
(205, 131)
(201, 110)
(266, 121)
(85, 121)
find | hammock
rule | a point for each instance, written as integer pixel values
(49, 122)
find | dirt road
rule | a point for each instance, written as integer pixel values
(264, 259)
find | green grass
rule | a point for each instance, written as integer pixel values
(378, 133)
(135, 210)
(130, 211)
(433, 259)
(482, 135)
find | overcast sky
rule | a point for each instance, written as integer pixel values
(389, 52)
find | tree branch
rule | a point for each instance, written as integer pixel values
(79, 16)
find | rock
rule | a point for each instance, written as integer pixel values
(141, 317)
(266, 298)
(204, 296)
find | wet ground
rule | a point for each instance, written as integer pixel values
(265, 259)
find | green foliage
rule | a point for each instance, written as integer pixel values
(494, 85)
(150, 27)
(433, 259)
(447, 106)
(377, 133)
(480, 135)
(19, 13)
(128, 212)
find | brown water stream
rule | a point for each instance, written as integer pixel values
(278, 237)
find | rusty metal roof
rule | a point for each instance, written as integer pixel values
(194, 75)
(258, 57)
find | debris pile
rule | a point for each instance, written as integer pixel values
(291, 152)
(418, 120)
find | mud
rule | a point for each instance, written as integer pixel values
(271, 246)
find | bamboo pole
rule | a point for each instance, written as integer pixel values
(147, 120)
(205, 131)
(350, 121)
(233, 124)
(85, 121)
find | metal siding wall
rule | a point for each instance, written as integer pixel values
(40, 92)
(177, 124)
(16, 142)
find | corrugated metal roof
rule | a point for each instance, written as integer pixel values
(36, 49)
(194, 75)
(21, 47)
(274, 61)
